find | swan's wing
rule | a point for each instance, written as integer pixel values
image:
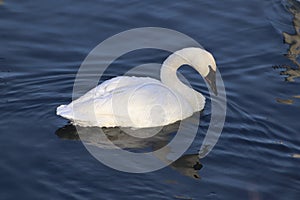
(82, 110)
(115, 85)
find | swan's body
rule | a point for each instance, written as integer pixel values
(142, 101)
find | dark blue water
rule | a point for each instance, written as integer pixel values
(42, 46)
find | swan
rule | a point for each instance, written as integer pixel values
(142, 102)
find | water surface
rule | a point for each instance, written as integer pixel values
(43, 44)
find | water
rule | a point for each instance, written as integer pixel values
(42, 46)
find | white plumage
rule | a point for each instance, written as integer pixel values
(142, 101)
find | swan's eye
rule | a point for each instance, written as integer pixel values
(209, 66)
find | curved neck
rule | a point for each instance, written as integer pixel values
(169, 77)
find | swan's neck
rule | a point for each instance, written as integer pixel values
(169, 77)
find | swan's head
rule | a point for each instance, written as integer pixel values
(203, 62)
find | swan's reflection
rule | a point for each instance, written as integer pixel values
(188, 165)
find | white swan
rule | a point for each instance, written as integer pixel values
(142, 102)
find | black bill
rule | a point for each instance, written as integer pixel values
(211, 80)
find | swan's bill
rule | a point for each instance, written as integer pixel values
(211, 80)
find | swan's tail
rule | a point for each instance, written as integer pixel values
(65, 111)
